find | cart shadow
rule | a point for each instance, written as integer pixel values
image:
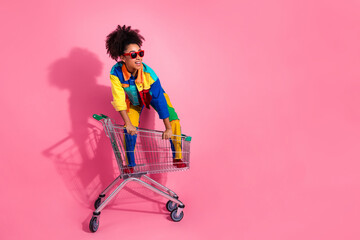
(84, 157)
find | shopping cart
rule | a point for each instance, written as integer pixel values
(151, 154)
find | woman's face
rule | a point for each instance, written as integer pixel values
(132, 64)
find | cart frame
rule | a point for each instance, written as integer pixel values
(115, 133)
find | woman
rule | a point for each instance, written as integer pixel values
(135, 85)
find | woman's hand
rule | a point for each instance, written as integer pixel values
(131, 129)
(167, 134)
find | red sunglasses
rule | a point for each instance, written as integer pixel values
(134, 54)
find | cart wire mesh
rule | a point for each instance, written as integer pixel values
(147, 150)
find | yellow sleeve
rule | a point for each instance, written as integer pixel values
(118, 94)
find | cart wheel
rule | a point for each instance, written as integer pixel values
(97, 203)
(176, 218)
(94, 224)
(170, 206)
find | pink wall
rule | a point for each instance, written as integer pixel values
(269, 90)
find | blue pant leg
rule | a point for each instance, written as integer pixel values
(172, 148)
(130, 142)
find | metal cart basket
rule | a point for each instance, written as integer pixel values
(139, 155)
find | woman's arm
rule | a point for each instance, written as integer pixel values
(128, 125)
(168, 132)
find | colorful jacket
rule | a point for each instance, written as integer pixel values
(144, 90)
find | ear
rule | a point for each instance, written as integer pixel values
(122, 58)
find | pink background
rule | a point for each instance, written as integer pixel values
(269, 90)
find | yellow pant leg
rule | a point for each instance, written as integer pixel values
(134, 115)
(176, 129)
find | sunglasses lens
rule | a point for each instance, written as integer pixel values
(141, 53)
(133, 55)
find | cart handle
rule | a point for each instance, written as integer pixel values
(99, 117)
(102, 116)
(187, 138)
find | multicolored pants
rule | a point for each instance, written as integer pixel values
(134, 113)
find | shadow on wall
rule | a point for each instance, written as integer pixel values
(84, 158)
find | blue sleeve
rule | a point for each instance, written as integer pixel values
(158, 101)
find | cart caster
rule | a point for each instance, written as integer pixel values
(170, 206)
(174, 216)
(97, 203)
(94, 224)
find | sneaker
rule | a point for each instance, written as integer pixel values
(179, 163)
(128, 170)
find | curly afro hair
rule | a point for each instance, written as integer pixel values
(117, 40)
